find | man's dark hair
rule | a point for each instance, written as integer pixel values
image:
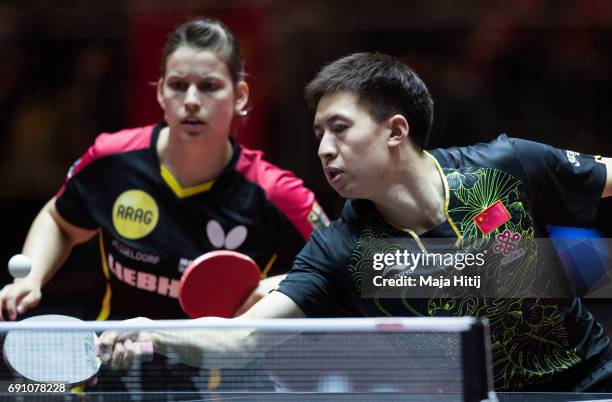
(385, 87)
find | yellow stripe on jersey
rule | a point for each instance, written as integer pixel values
(446, 198)
(178, 189)
(264, 273)
(105, 309)
(214, 379)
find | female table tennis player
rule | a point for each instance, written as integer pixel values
(160, 195)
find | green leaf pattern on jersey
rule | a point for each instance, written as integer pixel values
(529, 339)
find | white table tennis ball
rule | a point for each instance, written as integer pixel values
(19, 266)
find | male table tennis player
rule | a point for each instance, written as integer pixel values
(373, 117)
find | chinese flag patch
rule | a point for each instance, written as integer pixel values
(492, 217)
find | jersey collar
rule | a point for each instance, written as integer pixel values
(172, 182)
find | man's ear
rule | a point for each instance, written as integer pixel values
(399, 130)
(241, 98)
(160, 91)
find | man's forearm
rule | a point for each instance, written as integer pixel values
(214, 348)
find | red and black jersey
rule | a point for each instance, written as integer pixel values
(150, 227)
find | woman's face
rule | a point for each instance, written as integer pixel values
(198, 96)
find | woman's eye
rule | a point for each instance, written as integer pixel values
(178, 86)
(207, 86)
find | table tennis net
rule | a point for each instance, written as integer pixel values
(418, 356)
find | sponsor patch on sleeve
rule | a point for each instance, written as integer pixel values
(317, 217)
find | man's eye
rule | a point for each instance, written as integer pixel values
(338, 128)
(318, 135)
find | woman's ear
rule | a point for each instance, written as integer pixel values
(160, 93)
(399, 130)
(241, 99)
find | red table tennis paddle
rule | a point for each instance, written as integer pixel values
(217, 283)
(56, 356)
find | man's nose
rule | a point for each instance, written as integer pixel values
(327, 148)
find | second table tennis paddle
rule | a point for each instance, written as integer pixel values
(217, 283)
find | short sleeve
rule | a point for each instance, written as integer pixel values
(71, 200)
(314, 283)
(565, 186)
(82, 186)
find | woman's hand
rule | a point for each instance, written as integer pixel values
(18, 297)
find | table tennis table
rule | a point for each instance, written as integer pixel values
(297, 397)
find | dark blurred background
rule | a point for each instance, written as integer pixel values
(536, 69)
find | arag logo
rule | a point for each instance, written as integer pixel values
(135, 214)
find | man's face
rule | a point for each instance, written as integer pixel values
(353, 147)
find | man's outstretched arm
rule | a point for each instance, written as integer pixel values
(203, 348)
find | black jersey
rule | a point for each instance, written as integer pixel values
(534, 340)
(151, 228)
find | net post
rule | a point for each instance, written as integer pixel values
(477, 364)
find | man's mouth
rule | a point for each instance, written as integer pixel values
(333, 173)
